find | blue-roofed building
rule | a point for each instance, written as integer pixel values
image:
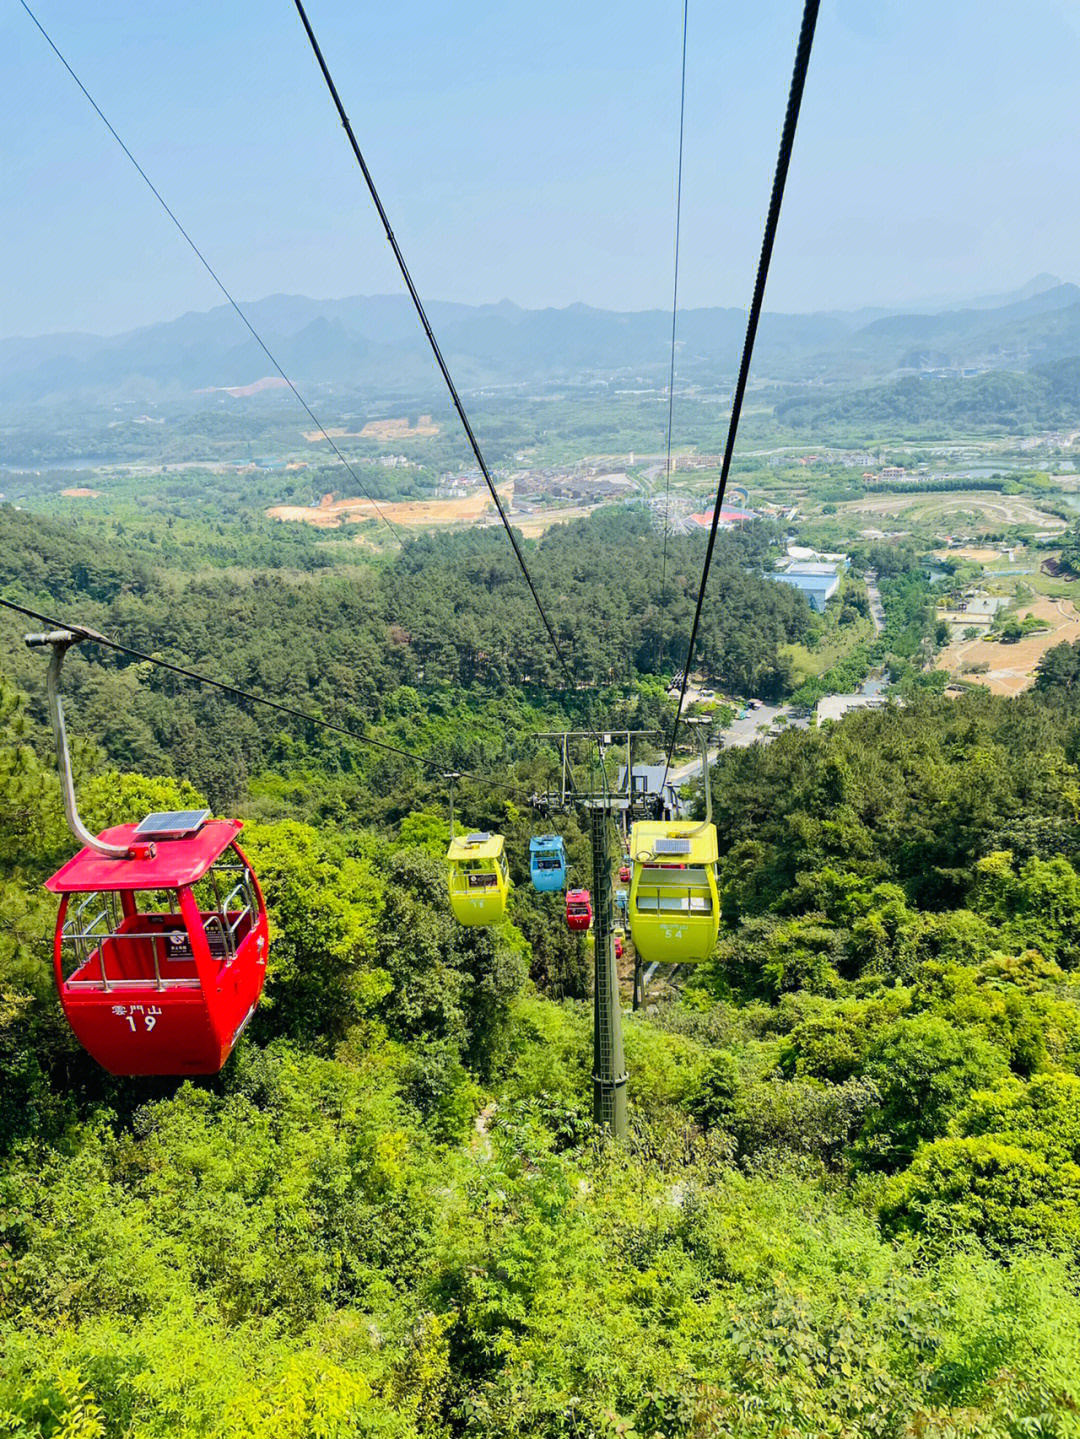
(818, 581)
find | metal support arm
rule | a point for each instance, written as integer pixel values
(60, 641)
(701, 723)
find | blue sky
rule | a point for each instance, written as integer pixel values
(527, 150)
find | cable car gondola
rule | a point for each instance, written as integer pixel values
(674, 904)
(161, 961)
(547, 862)
(479, 878)
(160, 957)
(578, 909)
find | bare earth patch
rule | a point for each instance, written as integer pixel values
(330, 514)
(1011, 667)
(424, 428)
(79, 494)
(534, 527)
(978, 556)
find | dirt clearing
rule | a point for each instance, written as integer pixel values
(977, 556)
(330, 514)
(533, 527)
(424, 429)
(1011, 667)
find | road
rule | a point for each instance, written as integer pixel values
(877, 609)
(738, 735)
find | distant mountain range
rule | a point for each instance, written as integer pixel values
(373, 344)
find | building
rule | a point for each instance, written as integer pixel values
(825, 557)
(818, 582)
(728, 518)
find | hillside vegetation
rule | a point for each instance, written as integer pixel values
(999, 400)
(848, 1202)
(437, 648)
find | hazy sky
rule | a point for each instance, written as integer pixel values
(526, 149)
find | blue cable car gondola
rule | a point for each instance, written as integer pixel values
(547, 862)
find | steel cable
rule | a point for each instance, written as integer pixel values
(674, 317)
(213, 275)
(432, 341)
(235, 691)
(787, 141)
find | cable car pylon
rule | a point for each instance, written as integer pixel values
(609, 1060)
(610, 1077)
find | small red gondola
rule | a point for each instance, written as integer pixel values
(165, 949)
(624, 870)
(578, 909)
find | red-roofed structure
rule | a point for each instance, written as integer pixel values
(173, 863)
(728, 518)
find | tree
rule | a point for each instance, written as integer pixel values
(1058, 670)
(925, 1069)
(325, 913)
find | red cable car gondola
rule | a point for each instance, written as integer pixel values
(160, 963)
(578, 909)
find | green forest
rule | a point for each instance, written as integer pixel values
(436, 647)
(1047, 395)
(848, 1202)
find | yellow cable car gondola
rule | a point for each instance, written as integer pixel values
(479, 878)
(674, 903)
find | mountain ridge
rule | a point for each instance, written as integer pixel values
(374, 342)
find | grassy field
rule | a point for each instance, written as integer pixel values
(981, 511)
(836, 644)
(1049, 585)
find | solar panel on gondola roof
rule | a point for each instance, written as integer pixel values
(172, 823)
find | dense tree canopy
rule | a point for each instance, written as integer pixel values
(848, 1201)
